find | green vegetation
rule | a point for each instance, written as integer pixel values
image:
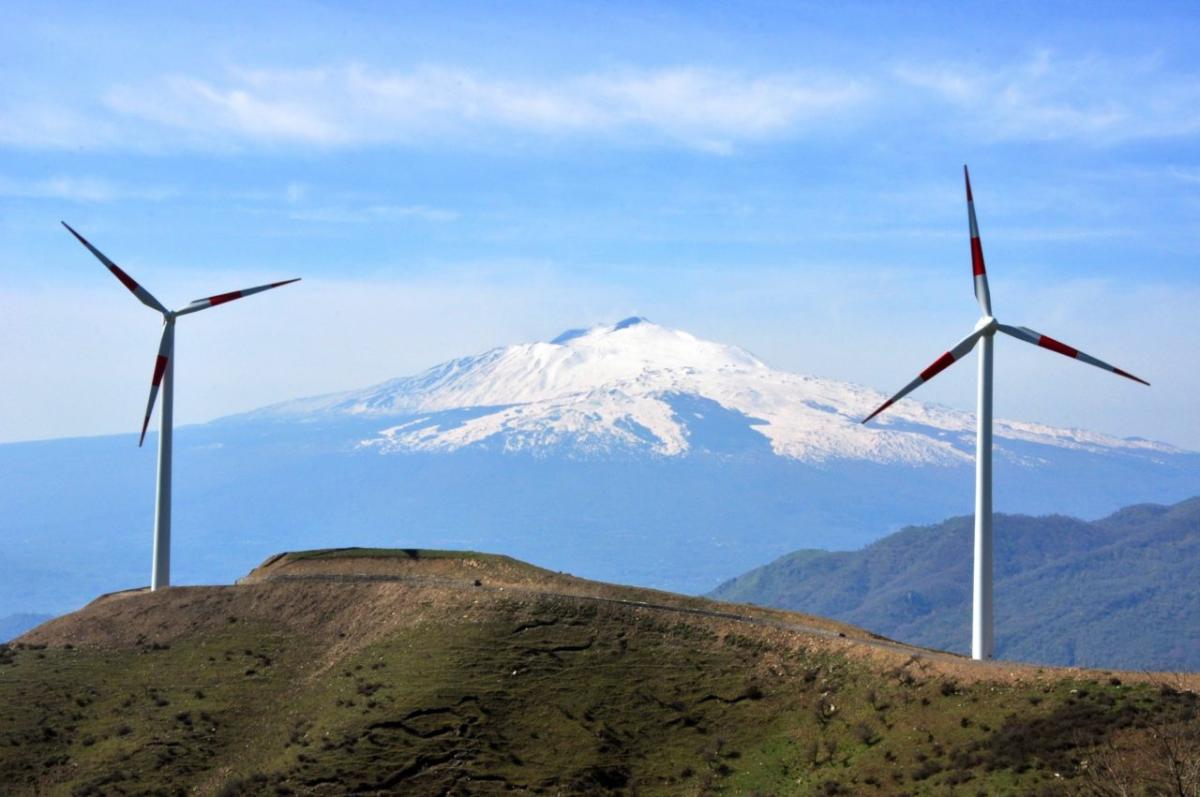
(1119, 592)
(269, 689)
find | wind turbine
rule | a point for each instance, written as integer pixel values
(985, 330)
(164, 376)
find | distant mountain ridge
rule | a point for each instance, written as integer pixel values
(1122, 592)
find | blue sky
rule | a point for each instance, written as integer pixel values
(451, 177)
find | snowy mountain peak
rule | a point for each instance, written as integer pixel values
(637, 386)
(628, 322)
(639, 340)
(625, 323)
(635, 346)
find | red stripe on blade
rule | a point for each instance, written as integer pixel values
(967, 177)
(126, 280)
(160, 367)
(977, 257)
(1047, 342)
(1128, 375)
(221, 298)
(942, 363)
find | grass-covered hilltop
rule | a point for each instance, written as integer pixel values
(373, 671)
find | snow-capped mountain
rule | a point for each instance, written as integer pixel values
(633, 386)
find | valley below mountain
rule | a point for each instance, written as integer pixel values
(431, 672)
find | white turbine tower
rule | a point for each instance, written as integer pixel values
(164, 376)
(985, 330)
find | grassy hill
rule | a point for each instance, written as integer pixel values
(1119, 592)
(421, 672)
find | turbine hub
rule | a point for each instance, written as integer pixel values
(987, 325)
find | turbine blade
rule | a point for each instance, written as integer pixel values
(1046, 342)
(222, 298)
(940, 364)
(982, 294)
(143, 295)
(160, 368)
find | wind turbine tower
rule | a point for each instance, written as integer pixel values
(164, 378)
(984, 333)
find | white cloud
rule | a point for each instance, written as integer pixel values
(50, 123)
(1185, 175)
(197, 107)
(80, 189)
(705, 109)
(372, 213)
(711, 110)
(1039, 97)
(1050, 98)
(295, 191)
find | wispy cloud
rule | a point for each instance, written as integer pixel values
(1191, 176)
(80, 189)
(1042, 96)
(705, 109)
(372, 213)
(1047, 98)
(51, 123)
